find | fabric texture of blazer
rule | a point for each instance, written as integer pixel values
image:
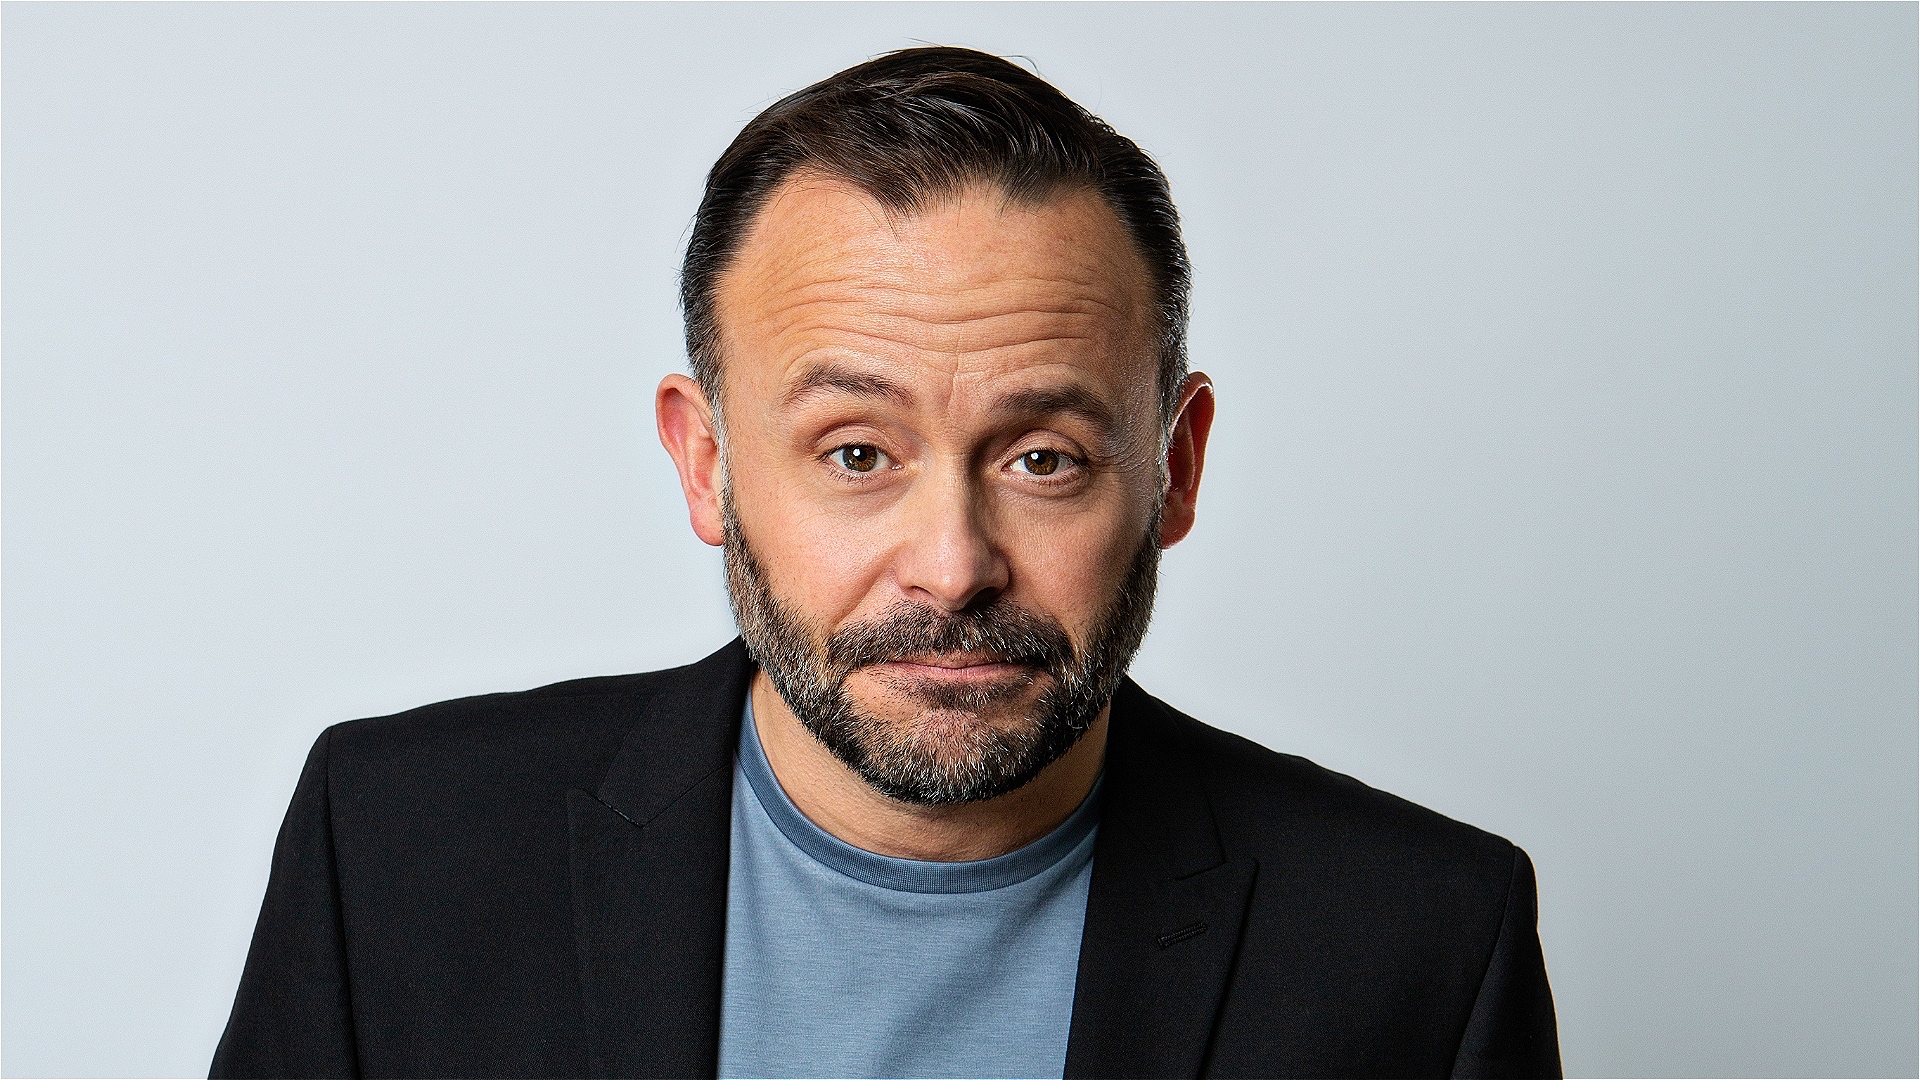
(535, 884)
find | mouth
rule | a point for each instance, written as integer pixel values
(956, 670)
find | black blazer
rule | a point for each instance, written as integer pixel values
(535, 884)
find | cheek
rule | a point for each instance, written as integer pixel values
(818, 557)
(1069, 565)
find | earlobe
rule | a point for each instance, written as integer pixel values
(1186, 458)
(685, 422)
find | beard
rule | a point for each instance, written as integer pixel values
(953, 749)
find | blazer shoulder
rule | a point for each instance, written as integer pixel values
(573, 727)
(1272, 801)
(484, 716)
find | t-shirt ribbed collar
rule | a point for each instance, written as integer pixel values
(907, 875)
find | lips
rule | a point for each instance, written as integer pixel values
(957, 671)
(955, 661)
(957, 667)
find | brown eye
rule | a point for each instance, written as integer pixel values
(1040, 462)
(859, 458)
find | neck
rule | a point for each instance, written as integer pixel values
(835, 798)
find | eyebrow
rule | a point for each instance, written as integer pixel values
(828, 379)
(1070, 400)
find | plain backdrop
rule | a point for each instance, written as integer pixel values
(1564, 478)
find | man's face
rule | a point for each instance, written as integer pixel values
(944, 473)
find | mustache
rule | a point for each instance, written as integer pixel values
(1001, 631)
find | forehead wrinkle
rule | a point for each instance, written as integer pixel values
(988, 300)
(1091, 293)
(852, 298)
(891, 332)
(855, 270)
(1077, 308)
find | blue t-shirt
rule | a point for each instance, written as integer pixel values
(844, 963)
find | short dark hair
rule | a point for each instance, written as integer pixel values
(916, 125)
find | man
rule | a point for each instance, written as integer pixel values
(916, 822)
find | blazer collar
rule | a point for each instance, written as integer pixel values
(648, 858)
(1165, 908)
(681, 736)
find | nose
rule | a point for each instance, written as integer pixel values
(949, 558)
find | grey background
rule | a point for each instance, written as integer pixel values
(1564, 479)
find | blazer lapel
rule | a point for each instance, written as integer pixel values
(649, 867)
(1164, 910)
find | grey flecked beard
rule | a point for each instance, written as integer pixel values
(947, 754)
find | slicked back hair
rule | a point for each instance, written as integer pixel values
(913, 127)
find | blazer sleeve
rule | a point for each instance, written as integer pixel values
(1511, 1031)
(293, 1016)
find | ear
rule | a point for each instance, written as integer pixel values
(686, 427)
(1186, 456)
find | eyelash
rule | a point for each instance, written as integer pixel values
(1064, 464)
(837, 456)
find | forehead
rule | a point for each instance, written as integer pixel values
(973, 286)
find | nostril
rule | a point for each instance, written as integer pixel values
(981, 600)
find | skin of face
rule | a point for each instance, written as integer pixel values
(936, 408)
